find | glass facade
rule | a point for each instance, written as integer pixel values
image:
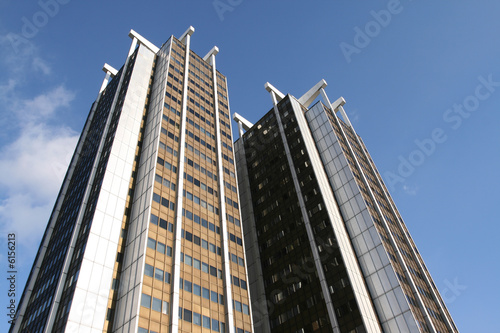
(306, 172)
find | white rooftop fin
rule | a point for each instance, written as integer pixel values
(133, 34)
(109, 69)
(270, 88)
(311, 95)
(189, 32)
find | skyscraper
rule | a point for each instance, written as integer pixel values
(145, 235)
(327, 250)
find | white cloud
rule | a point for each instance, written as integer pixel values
(411, 190)
(45, 105)
(33, 166)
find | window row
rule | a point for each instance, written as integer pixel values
(174, 99)
(178, 71)
(203, 119)
(241, 307)
(199, 78)
(201, 242)
(198, 220)
(200, 202)
(157, 273)
(201, 129)
(225, 124)
(174, 88)
(170, 120)
(232, 219)
(174, 77)
(200, 320)
(203, 266)
(165, 182)
(198, 153)
(237, 260)
(200, 184)
(169, 149)
(239, 282)
(196, 166)
(228, 147)
(232, 203)
(227, 135)
(229, 172)
(235, 239)
(167, 165)
(163, 201)
(203, 292)
(162, 223)
(154, 304)
(220, 86)
(224, 105)
(201, 141)
(227, 158)
(159, 246)
(172, 109)
(197, 94)
(170, 134)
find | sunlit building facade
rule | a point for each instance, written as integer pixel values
(145, 235)
(327, 250)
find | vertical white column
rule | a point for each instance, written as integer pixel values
(174, 317)
(226, 260)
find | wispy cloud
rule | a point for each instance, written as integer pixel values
(30, 166)
(410, 189)
(36, 146)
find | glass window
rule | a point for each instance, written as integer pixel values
(187, 315)
(206, 293)
(156, 304)
(204, 267)
(214, 296)
(161, 248)
(206, 322)
(167, 277)
(188, 260)
(196, 263)
(237, 306)
(148, 270)
(188, 286)
(196, 289)
(196, 318)
(151, 243)
(215, 325)
(165, 308)
(146, 301)
(154, 219)
(158, 274)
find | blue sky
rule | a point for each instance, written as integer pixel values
(421, 80)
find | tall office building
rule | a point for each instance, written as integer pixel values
(327, 250)
(145, 235)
